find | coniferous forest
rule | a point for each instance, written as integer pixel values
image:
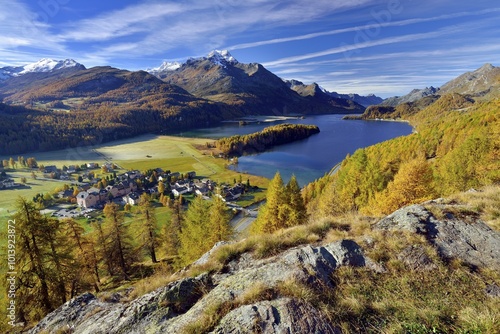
(265, 139)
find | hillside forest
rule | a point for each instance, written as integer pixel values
(455, 147)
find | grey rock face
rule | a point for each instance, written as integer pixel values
(465, 238)
(305, 264)
(171, 308)
(282, 315)
(86, 314)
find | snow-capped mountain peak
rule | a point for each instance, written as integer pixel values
(43, 65)
(166, 66)
(47, 65)
(220, 57)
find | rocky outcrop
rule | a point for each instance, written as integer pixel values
(249, 295)
(283, 315)
(455, 235)
(414, 257)
(174, 307)
(89, 315)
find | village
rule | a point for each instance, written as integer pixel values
(89, 193)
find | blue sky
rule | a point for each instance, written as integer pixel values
(350, 46)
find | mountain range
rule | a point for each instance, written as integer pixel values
(59, 104)
(219, 77)
(315, 90)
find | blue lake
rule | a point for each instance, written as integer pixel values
(310, 158)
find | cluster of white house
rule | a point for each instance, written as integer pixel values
(128, 192)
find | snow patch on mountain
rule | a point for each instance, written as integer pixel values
(217, 57)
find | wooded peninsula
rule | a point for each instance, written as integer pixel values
(265, 139)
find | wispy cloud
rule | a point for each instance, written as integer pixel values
(357, 46)
(21, 29)
(119, 23)
(156, 27)
(360, 28)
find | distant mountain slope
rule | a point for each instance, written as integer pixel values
(76, 108)
(414, 95)
(220, 77)
(483, 81)
(116, 85)
(164, 67)
(365, 101)
(481, 84)
(18, 85)
(305, 90)
(314, 91)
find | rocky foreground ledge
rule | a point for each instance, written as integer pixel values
(177, 306)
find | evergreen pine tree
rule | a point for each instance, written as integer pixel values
(269, 218)
(118, 237)
(195, 232)
(149, 229)
(219, 221)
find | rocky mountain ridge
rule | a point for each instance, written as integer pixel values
(219, 77)
(315, 89)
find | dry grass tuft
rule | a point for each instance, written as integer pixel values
(485, 201)
(447, 298)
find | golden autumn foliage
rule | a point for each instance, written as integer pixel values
(451, 150)
(284, 207)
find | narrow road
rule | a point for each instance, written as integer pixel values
(245, 217)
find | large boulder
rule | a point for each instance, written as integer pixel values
(455, 236)
(306, 264)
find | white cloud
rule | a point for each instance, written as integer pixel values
(124, 22)
(155, 27)
(375, 25)
(25, 35)
(349, 49)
